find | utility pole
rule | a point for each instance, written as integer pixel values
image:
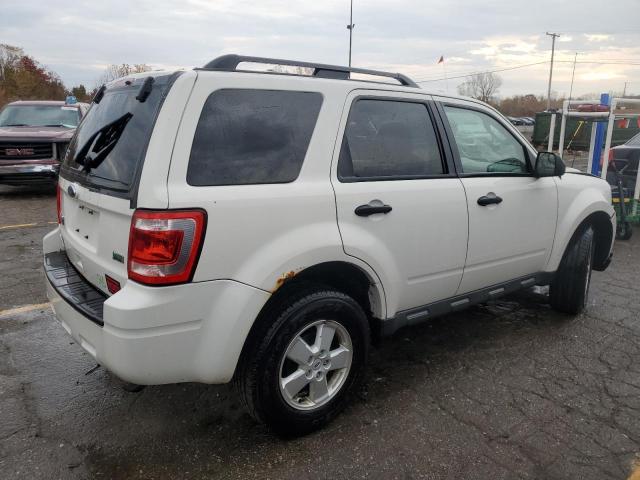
(553, 49)
(573, 75)
(350, 28)
(624, 91)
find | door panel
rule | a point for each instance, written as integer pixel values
(418, 247)
(512, 214)
(510, 239)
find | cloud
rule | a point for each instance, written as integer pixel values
(596, 37)
(75, 38)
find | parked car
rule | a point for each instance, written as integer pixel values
(221, 224)
(626, 158)
(34, 136)
(516, 121)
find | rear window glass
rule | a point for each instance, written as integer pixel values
(634, 140)
(252, 136)
(111, 141)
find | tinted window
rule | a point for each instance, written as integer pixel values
(389, 139)
(484, 144)
(252, 136)
(123, 125)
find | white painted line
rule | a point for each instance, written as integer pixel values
(24, 309)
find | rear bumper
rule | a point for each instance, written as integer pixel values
(157, 335)
(23, 173)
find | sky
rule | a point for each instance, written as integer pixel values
(78, 39)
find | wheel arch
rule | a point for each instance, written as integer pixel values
(603, 231)
(342, 276)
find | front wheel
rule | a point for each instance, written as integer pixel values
(305, 361)
(570, 288)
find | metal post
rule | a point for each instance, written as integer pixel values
(607, 142)
(552, 131)
(592, 144)
(600, 132)
(563, 127)
(553, 48)
(350, 28)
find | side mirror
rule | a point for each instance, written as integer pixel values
(548, 164)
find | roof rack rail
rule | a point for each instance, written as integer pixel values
(230, 63)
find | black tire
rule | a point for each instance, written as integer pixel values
(258, 375)
(625, 231)
(570, 288)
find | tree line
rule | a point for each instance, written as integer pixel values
(24, 78)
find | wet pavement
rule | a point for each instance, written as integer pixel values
(506, 390)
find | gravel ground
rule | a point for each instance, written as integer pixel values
(506, 390)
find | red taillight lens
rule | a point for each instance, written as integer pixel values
(59, 203)
(610, 156)
(164, 245)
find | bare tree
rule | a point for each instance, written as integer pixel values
(116, 71)
(9, 57)
(481, 86)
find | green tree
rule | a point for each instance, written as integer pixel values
(80, 92)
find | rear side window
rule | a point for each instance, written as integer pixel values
(387, 139)
(252, 136)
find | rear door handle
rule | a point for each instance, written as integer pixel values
(366, 210)
(489, 199)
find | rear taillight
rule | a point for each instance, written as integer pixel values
(164, 246)
(59, 202)
(611, 155)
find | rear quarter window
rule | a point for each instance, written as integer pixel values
(252, 137)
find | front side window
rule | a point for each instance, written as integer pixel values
(248, 137)
(387, 139)
(484, 144)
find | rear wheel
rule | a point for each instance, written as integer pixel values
(305, 360)
(570, 287)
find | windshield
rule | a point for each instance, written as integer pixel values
(110, 143)
(39, 116)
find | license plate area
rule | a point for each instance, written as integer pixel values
(81, 223)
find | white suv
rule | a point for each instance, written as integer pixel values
(221, 224)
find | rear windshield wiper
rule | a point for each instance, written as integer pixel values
(59, 125)
(15, 125)
(98, 146)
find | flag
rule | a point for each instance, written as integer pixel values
(441, 60)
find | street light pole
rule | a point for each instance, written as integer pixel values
(350, 28)
(553, 48)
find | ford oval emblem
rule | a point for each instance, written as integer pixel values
(72, 191)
